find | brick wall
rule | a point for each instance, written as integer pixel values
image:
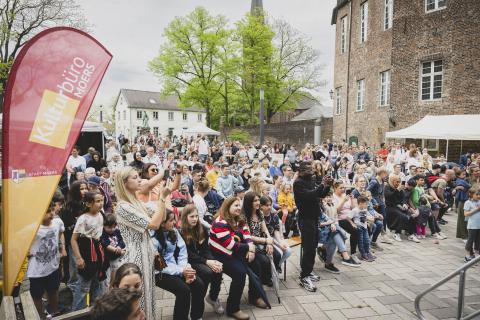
(293, 132)
(452, 34)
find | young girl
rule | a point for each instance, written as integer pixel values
(112, 241)
(178, 277)
(44, 261)
(69, 214)
(287, 203)
(88, 251)
(472, 211)
(128, 276)
(200, 256)
(281, 250)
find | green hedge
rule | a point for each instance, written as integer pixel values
(239, 135)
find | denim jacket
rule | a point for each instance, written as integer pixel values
(175, 265)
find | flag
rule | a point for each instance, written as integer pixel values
(49, 92)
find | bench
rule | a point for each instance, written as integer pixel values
(292, 242)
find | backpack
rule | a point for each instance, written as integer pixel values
(431, 179)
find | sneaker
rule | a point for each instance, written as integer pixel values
(470, 258)
(217, 306)
(438, 236)
(331, 268)
(442, 235)
(376, 246)
(307, 284)
(314, 277)
(386, 239)
(413, 238)
(355, 259)
(371, 256)
(350, 262)
(397, 237)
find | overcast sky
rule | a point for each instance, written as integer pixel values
(132, 32)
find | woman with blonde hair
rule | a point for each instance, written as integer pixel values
(256, 185)
(135, 219)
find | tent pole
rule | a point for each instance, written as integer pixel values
(446, 153)
(461, 148)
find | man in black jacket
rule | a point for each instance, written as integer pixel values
(307, 199)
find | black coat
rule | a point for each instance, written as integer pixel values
(307, 197)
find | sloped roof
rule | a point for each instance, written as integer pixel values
(315, 112)
(153, 100)
(305, 102)
(340, 3)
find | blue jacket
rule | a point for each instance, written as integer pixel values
(462, 195)
(175, 264)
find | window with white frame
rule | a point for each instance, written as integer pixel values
(155, 115)
(139, 130)
(431, 80)
(139, 114)
(338, 100)
(388, 15)
(385, 88)
(360, 95)
(343, 34)
(155, 131)
(170, 116)
(124, 115)
(363, 22)
(184, 116)
(199, 117)
(434, 5)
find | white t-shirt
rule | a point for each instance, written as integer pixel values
(89, 226)
(203, 147)
(45, 255)
(76, 162)
(201, 206)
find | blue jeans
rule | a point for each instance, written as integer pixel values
(363, 240)
(332, 244)
(72, 270)
(92, 286)
(376, 229)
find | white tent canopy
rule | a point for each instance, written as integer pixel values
(202, 129)
(450, 127)
(89, 126)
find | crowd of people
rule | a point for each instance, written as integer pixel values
(180, 213)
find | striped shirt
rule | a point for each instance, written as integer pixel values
(223, 239)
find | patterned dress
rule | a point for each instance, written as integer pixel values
(133, 227)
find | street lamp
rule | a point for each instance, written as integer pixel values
(331, 94)
(101, 113)
(262, 111)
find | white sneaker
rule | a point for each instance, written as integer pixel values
(413, 238)
(355, 258)
(397, 237)
(217, 305)
(442, 235)
(386, 239)
(438, 236)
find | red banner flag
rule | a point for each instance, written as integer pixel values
(49, 92)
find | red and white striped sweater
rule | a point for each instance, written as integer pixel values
(223, 239)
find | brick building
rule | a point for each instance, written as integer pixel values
(397, 61)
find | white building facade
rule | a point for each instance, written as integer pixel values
(165, 117)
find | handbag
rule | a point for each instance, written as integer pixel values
(159, 262)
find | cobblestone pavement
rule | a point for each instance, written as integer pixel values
(384, 289)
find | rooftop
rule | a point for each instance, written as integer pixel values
(153, 100)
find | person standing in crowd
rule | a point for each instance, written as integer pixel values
(151, 157)
(472, 211)
(308, 200)
(203, 149)
(75, 163)
(97, 162)
(88, 251)
(135, 219)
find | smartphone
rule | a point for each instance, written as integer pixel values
(166, 175)
(348, 192)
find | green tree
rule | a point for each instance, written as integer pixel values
(294, 69)
(256, 38)
(189, 62)
(22, 19)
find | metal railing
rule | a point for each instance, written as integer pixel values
(462, 271)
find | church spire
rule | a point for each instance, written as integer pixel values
(257, 7)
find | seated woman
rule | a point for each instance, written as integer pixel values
(199, 255)
(281, 250)
(262, 240)
(330, 237)
(231, 244)
(178, 277)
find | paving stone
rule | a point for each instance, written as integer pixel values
(358, 312)
(301, 316)
(314, 311)
(398, 298)
(318, 297)
(378, 307)
(334, 305)
(275, 311)
(444, 313)
(369, 293)
(335, 315)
